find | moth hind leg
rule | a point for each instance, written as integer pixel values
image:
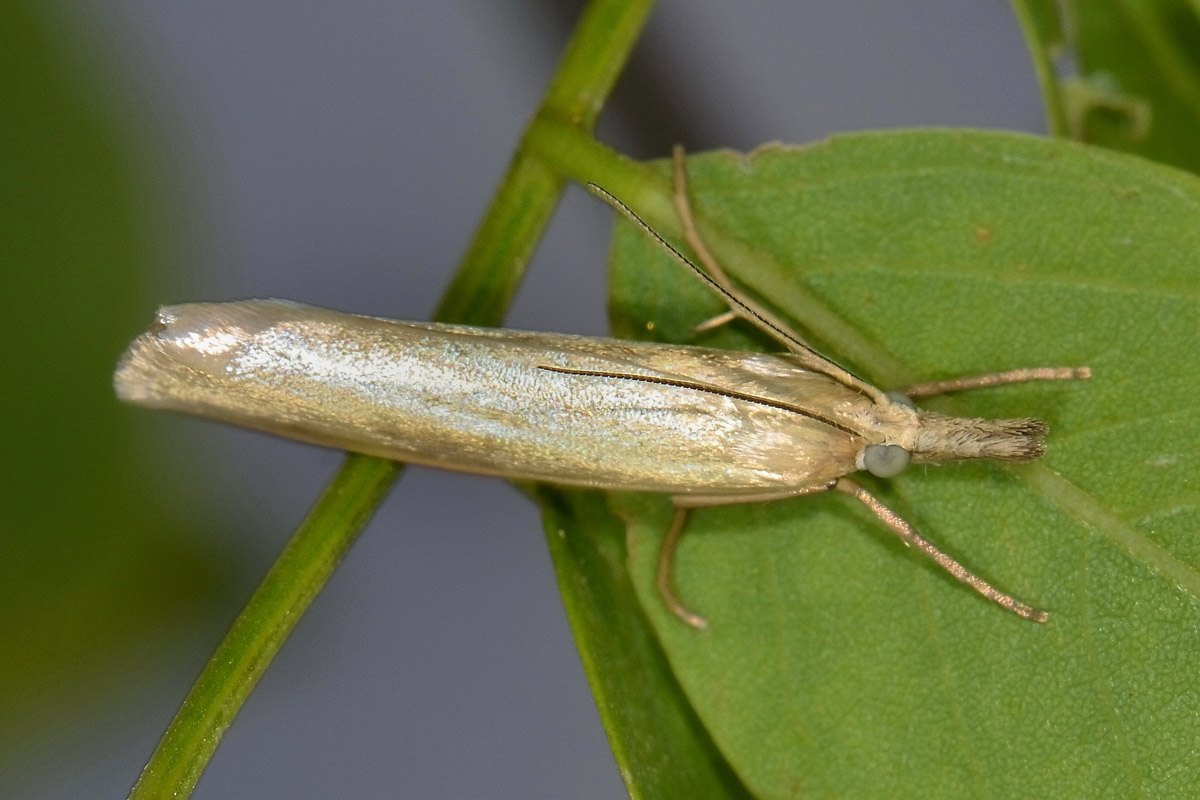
(741, 305)
(712, 323)
(691, 235)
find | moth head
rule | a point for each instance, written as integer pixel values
(914, 435)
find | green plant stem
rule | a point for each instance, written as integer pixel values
(1040, 23)
(260, 630)
(581, 158)
(481, 290)
(495, 261)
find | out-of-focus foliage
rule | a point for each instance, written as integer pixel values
(89, 567)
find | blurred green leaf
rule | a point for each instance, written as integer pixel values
(1127, 73)
(837, 662)
(87, 564)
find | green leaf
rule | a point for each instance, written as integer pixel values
(1128, 73)
(837, 663)
(662, 749)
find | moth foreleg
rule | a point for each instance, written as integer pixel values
(908, 534)
(932, 388)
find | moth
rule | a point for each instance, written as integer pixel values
(705, 426)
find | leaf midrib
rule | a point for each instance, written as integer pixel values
(1084, 507)
(875, 358)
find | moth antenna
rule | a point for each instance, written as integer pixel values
(746, 309)
(777, 331)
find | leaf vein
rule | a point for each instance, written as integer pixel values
(1083, 506)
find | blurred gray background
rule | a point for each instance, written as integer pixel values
(341, 154)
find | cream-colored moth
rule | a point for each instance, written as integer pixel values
(708, 427)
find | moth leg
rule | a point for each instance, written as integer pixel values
(691, 234)
(666, 587)
(745, 307)
(707, 500)
(715, 322)
(996, 379)
(909, 536)
(712, 267)
(666, 555)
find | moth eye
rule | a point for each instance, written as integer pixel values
(885, 460)
(900, 399)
